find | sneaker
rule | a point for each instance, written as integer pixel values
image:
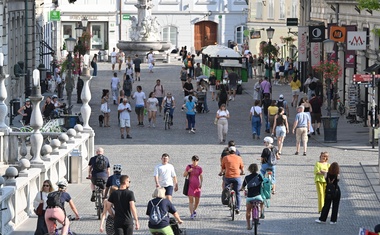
(304, 153)
(262, 216)
(192, 130)
(192, 216)
(319, 221)
(258, 137)
(254, 136)
(332, 222)
(318, 131)
(129, 137)
(195, 214)
(122, 136)
(296, 153)
(313, 133)
(153, 125)
(237, 212)
(93, 196)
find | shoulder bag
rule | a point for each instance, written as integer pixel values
(40, 209)
(186, 185)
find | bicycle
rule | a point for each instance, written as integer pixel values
(255, 214)
(232, 201)
(167, 119)
(99, 187)
(340, 107)
(56, 230)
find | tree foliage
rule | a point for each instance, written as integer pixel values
(369, 4)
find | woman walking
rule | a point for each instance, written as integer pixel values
(222, 96)
(104, 108)
(308, 109)
(152, 104)
(334, 198)
(194, 172)
(41, 197)
(266, 160)
(94, 65)
(320, 169)
(222, 116)
(280, 128)
(108, 215)
(190, 114)
(255, 116)
(295, 84)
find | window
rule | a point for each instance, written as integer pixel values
(169, 34)
(294, 9)
(282, 9)
(271, 10)
(68, 30)
(239, 35)
(259, 9)
(98, 31)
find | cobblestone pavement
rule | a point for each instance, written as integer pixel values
(294, 207)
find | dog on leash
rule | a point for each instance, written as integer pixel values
(101, 120)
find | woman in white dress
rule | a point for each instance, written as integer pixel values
(152, 109)
(257, 90)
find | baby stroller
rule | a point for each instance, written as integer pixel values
(201, 96)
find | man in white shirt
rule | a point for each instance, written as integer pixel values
(125, 120)
(115, 85)
(113, 58)
(277, 70)
(151, 61)
(140, 98)
(165, 176)
(311, 84)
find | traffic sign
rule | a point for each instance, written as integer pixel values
(363, 78)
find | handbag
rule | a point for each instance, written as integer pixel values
(215, 121)
(40, 209)
(104, 108)
(186, 185)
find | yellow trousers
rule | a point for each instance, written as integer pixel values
(321, 187)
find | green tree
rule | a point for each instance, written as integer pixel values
(369, 4)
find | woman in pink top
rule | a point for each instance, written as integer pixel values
(195, 184)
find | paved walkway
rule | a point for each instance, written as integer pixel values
(294, 207)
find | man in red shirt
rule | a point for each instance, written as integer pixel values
(233, 167)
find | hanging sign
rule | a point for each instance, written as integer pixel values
(317, 33)
(55, 16)
(315, 53)
(302, 43)
(356, 40)
(337, 33)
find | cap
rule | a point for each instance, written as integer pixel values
(54, 96)
(62, 183)
(268, 140)
(232, 149)
(27, 100)
(281, 97)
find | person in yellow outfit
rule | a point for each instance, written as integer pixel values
(320, 169)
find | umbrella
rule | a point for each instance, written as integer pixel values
(204, 77)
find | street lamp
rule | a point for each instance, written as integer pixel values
(36, 120)
(79, 31)
(70, 44)
(270, 32)
(84, 22)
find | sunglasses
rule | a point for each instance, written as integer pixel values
(46, 185)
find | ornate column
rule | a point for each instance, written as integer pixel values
(36, 121)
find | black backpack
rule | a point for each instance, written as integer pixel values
(54, 199)
(250, 60)
(313, 86)
(272, 160)
(92, 63)
(330, 189)
(225, 196)
(127, 84)
(100, 163)
(280, 103)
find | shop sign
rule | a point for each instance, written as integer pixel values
(55, 16)
(255, 34)
(337, 33)
(363, 78)
(315, 53)
(126, 16)
(356, 40)
(317, 33)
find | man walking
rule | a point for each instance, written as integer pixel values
(233, 79)
(137, 63)
(302, 124)
(125, 120)
(115, 85)
(316, 113)
(140, 98)
(265, 87)
(98, 168)
(113, 58)
(165, 176)
(123, 201)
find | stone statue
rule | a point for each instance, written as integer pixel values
(145, 27)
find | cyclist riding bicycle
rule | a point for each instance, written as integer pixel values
(113, 180)
(169, 104)
(56, 209)
(253, 183)
(232, 168)
(98, 168)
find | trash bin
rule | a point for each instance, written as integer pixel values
(16, 104)
(330, 128)
(70, 121)
(75, 167)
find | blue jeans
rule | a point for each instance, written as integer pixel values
(237, 186)
(267, 123)
(256, 125)
(170, 112)
(249, 68)
(263, 170)
(95, 71)
(190, 120)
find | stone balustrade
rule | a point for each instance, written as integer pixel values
(23, 179)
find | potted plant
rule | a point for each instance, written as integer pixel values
(331, 72)
(288, 40)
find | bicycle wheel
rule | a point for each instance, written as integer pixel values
(167, 124)
(99, 206)
(255, 225)
(233, 206)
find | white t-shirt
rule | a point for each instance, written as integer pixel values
(255, 108)
(165, 174)
(114, 82)
(152, 104)
(125, 113)
(140, 98)
(150, 58)
(223, 113)
(113, 57)
(277, 67)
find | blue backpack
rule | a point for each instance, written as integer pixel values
(266, 189)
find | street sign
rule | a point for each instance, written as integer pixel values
(291, 21)
(363, 78)
(126, 17)
(55, 16)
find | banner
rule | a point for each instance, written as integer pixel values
(302, 43)
(350, 55)
(317, 33)
(356, 40)
(315, 48)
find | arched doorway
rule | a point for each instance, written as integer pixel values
(205, 33)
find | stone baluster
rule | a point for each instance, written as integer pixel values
(11, 173)
(3, 96)
(79, 129)
(24, 164)
(23, 148)
(36, 121)
(63, 138)
(71, 133)
(45, 152)
(55, 144)
(86, 97)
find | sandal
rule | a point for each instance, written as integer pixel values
(296, 153)
(304, 153)
(249, 228)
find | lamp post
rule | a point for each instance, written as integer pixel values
(328, 45)
(36, 121)
(70, 44)
(270, 32)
